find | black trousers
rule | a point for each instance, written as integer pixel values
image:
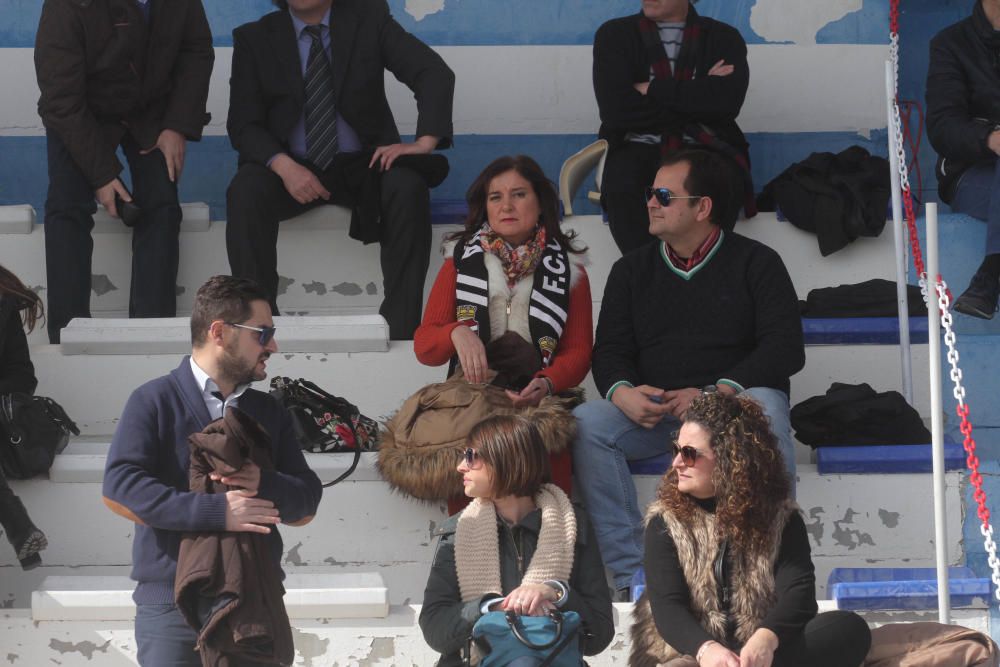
(257, 201)
(628, 170)
(831, 639)
(69, 207)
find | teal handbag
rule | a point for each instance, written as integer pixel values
(554, 640)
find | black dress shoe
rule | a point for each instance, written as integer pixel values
(980, 299)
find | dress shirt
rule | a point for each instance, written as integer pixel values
(210, 393)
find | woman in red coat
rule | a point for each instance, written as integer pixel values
(512, 296)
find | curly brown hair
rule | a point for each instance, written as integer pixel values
(25, 299)
(750, 479)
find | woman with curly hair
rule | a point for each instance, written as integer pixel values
(17, 374)
(729, 578)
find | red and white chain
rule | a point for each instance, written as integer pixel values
(943, 303)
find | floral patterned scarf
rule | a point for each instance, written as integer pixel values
(517, 262)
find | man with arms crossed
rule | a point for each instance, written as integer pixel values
(701, 310)
(146, 475)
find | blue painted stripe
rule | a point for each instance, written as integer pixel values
(211, 163)
(488, 22)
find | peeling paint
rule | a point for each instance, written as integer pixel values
(100, 284)
(370, 288)
(347, 289)
(382, 647)
(293, 557)
(310, 647)
(37, 288)
(889, 519)
(12, 657)
(815, 527)
(288, 357)
(179, 289)
(849, 537)
(284, 282)
(85, 648)
(314, 287)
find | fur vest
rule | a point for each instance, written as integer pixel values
(751, 582)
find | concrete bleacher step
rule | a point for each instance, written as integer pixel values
(329, 595)
(82, 462)
(881, 459)
(861, 330)
(172, 335)
(17, 219)
(905, 588)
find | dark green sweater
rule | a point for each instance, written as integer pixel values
(736, 317)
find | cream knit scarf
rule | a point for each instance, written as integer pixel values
(477, 545)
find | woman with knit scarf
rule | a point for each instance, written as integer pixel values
(510, 309)
(520, 545)
(729, 578)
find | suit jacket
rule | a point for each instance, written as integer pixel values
(267, 90)
(103, 72)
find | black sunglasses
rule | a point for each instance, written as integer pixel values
(665, 196)
(471, 458)
(265, 334)
(689, 455)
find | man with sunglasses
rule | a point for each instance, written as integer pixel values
(146, 474)
(702, 310)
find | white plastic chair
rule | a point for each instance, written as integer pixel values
(575, 170)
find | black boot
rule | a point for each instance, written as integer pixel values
(980, 299)
(22, 534)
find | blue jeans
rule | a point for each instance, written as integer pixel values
(978, 194)
(606, 440)
(164, 638)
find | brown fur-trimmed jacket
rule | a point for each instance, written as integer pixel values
(751, 584)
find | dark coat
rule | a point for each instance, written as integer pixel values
(267, 91)
(103, 74)
(963, 97)
(447, 622)
(620, 61)
(227, 586)
(17, 374)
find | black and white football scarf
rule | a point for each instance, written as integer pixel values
(547, 311)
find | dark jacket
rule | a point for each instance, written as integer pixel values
(17, 374)
(267, 91)
(227, 587)
(103, 73)
(620, 61)
(963, 97)
(147, 474)
(447, 622)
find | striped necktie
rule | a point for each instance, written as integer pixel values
(321, 118)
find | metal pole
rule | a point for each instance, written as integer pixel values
(899, 239)
(937, 415)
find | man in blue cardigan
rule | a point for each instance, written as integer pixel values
(146, 475)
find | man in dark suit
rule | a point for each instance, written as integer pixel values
(310, 120)
(129, 73)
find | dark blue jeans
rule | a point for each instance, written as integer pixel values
(69, 207)
(164, 638)
(978, 194)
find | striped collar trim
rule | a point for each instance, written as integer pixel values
(687, 275)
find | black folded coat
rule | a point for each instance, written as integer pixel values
(855, 414)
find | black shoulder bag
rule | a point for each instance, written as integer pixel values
(324, 422)
(34, 429)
